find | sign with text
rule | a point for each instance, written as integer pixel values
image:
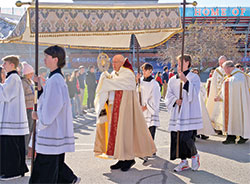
(217, 12)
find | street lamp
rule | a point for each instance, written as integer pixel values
(19, 4)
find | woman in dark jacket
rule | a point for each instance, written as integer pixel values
(91, 84)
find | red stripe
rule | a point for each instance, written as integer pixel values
(208, 88)
(114, 122)
(226, 104)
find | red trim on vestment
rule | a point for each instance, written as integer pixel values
(226, 104)
(114, 122)
(208, 87)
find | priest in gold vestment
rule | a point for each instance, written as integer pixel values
(121, 130)
(236, 107)
(214, 87)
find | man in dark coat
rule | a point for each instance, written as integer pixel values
(91, 84)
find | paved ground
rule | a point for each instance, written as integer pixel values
(219, 163)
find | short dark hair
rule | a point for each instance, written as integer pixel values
(238, 65)
(147, 66)
(195, 69)
(57, 52)
(12, 59)
(165, 68)
(91, 66)
(186, 57)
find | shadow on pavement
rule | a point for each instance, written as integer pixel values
(236, 152)
(84, 124)
(153, 171)
(202, 176)
(159, 170)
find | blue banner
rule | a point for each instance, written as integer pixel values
(217, 12)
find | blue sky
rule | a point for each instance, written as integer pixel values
(203, 3)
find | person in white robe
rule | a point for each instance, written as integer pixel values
(55, 134)
(235, 96)
(186, 117)
(207, 126)
(215, 108)
(150, 98)
(121, 130)
(13, 122)
(149, 92)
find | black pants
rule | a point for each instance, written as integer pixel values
(12, 156)
(152, 130)
(91, 97)
(187, 148)
(51, 169)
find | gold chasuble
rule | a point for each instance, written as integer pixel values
(215, 108)
(121, 130)
(236, 99)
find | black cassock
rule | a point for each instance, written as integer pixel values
(12, 156)
(187, 148)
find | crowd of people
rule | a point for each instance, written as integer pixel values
(127, 112)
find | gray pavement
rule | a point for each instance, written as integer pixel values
(219, 163)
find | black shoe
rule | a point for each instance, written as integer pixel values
(228, 142)
(127, 165)
(198, 136)
(118, 165)
(242, 140)
(204, 137)
(6, 178)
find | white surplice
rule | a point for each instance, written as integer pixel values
(150, 95)
(207, 125)
(13, 118)
(215, 108)
(55, 133)
(189, 117)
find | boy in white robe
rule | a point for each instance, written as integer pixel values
(150, 97)
(55, 135)
(185, 115)
(13, 122)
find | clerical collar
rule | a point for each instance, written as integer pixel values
(185, 73)
(148, 79)
(11, 72)
(58, 70)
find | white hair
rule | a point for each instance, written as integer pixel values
(228, 64)
(222, 57)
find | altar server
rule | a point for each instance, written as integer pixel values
(13, 122)
(185, 115)
(55, 135)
